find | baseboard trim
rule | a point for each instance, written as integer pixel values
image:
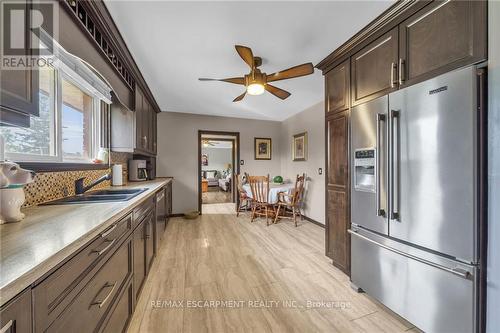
(313, 221)
(177, 215)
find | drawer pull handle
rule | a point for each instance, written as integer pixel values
(105, 299)
(110, 230)
(7, 326)
(100, 252)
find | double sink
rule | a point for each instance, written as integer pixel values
(99, 196)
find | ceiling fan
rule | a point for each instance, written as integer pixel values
(207, 143)
(256, 82)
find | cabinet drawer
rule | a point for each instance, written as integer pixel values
(87, 310)
(54, 293)
(141, 211)
(15, 317)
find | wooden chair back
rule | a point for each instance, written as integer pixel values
(299, 189)
(259, 186)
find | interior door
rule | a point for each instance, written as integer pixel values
(368, 167)
(433, 164)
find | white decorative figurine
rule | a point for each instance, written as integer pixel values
(12, 180)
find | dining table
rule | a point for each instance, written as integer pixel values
(274, 189)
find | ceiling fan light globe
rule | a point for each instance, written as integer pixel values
(255, 89)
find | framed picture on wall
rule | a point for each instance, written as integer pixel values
(299, 147)
(204, 159)
(262, 148)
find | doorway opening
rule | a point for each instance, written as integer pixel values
(218, 164)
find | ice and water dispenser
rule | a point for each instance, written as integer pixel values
(364, 170)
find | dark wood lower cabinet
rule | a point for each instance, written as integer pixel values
(86, 312)
(15, 316)
(139, 259)
(149, 227)
(337, 190)
(121, 314)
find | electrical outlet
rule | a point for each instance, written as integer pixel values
(242, 162)
(320, 171)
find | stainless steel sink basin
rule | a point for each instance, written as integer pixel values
(99, 196)
(114, 192)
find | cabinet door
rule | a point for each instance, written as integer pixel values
(149, 236)
(441, 37)
(121, 314)
(337, 192)
(374, 68)
(19, 88)
(139, 138)
(139, 259)
(15, 317)
(155, 132)
(337, 88)
(145, 123)
(169, 201)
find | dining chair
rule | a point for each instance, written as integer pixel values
(259, 186)
(291, 202)
(244, 198)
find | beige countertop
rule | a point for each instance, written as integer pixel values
(50, 234)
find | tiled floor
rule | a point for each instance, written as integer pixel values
(269, 274)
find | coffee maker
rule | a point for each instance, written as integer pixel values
(137, 170)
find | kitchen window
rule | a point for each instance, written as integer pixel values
(68, 127)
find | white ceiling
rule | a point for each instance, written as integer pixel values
(175, 43)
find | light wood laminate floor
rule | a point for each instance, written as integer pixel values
(269, 274)
(215, 196)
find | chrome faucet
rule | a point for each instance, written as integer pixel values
(80, 189)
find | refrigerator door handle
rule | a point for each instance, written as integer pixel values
(456, 271)
(380, 119)
(394, 161)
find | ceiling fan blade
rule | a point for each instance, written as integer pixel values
(280, 93)
(245, 54)
(296, 71)
(240, 97)
(235, 80)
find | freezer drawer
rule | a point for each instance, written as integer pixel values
(431, 298)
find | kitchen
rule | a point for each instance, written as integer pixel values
(401, 171)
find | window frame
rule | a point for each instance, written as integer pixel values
(57, 161)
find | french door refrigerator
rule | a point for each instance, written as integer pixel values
(413, 202)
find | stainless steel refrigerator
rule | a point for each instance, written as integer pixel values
(414, 231)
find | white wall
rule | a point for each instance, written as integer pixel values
(178, 150)
(493, 269)
(312, 121)
(218, 158)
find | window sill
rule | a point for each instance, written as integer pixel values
(55, 167)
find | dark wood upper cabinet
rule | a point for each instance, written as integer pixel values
(145, 125)
(337, 191)
(138, 119)
(337, 88)
(441, 37)
(19, 87)
(374, 68)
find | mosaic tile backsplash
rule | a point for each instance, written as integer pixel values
(49, 186)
